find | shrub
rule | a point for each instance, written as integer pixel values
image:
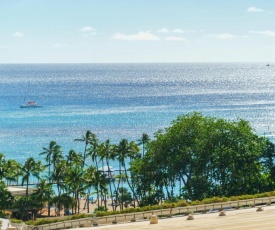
(78, 216)
(214, 199)
(129, 210)
(182, 203)
(106, 213)
(266, 194)
(234, 198)
(195, 202)
(168, 205)
(16, 221)
(245, 197)
(42, 221)
(100, 209)
(55, 220)
(272, 193)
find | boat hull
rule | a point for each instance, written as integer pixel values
(30, 106)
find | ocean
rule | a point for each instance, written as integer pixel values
(117, 101)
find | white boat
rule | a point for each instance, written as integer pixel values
(30, 104)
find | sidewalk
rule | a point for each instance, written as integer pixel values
(243, 219)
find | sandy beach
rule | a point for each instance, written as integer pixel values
(93, 206)
(238, 219)
(83, 208)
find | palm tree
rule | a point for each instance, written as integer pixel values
(124, 197)
(93, 149)
(30, 168)
(134, 151)
(57, 157)
(106, 152)
(74, 158)
(121, 178)
(87, 138)
(123, 151)
(103, 190)
(12, 171)
(90, 178)
(53, 148)
(51, 152)
(43, 191)
(58, 178)
(77, 184)
(99, 183)
(145, 139)
(2, 166)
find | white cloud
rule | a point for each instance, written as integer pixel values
(268, 33)
(18, 35)
(179, 31)
(228, 36)
(175, 38)
(88, 30)
(225, 36)
(254, 10)
(60, 45)
(163, 30)
(140, 36)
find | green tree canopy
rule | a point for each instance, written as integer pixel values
(6, 198)
(211, 157)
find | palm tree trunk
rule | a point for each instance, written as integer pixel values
(49, 207)
(128, 182)
(87, 200)
(84, 155)
(110, 178)
(27, 200)
(118, 184)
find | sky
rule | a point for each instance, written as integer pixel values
(137, 31)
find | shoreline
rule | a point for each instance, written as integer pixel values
(92, 207)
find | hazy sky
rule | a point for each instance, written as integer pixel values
(100, 31)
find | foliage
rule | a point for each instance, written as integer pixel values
(151, 199)
(42, 221)
(181, 203)
(209, 157)
(214, 200)
(100, 209)
(16, 221)
(6, 199)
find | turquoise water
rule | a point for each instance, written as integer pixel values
(118, 101)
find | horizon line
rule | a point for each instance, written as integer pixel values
(187, 62)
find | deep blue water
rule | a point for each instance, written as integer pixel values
(118, 101)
